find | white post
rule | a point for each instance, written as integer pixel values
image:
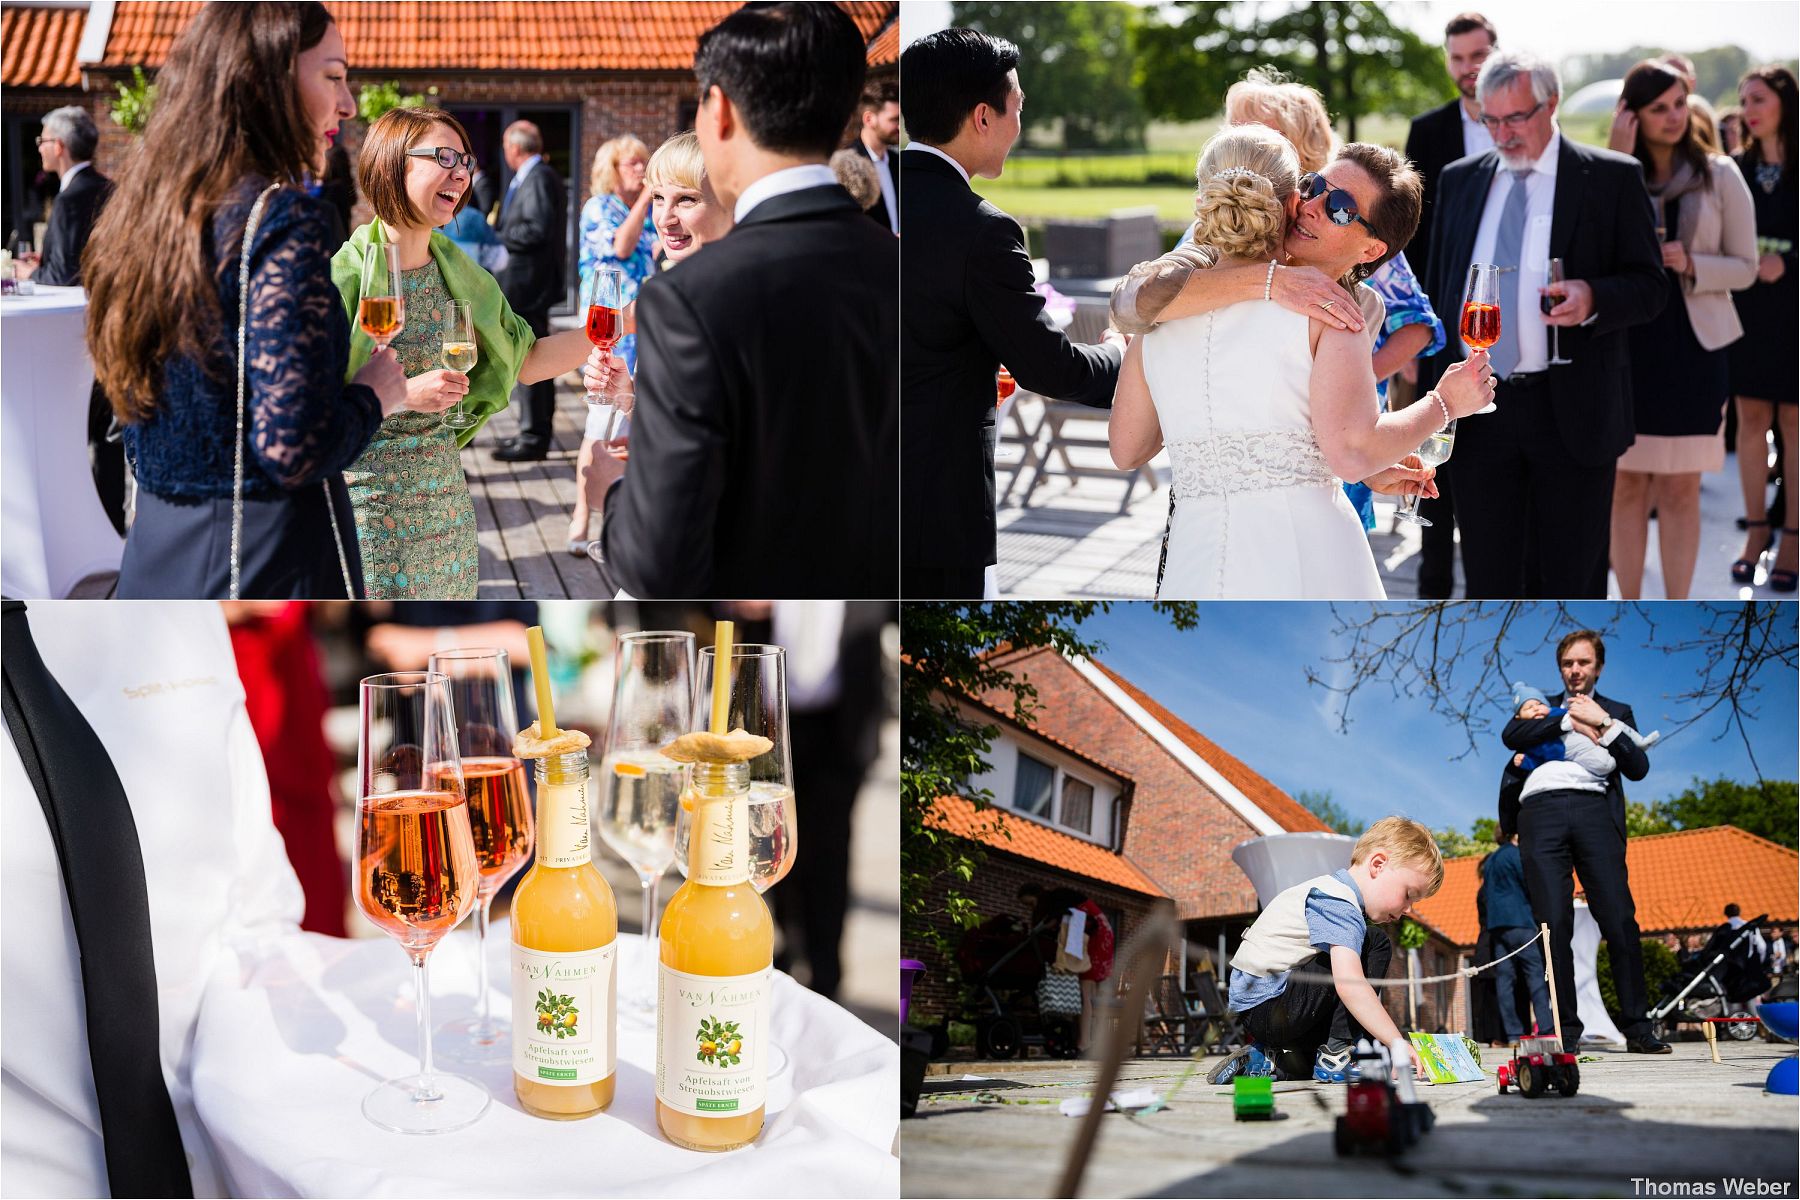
(1412, 989)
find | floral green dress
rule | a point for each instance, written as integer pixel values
(415, 519)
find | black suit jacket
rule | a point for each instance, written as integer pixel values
(534, 228)
(1603, 228)
(1522, 734)
(1433, 143)
(880, 210)
(967, 305)
(765, 441)
(71, 223)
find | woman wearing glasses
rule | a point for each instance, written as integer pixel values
(415, 520)
(1266, 410)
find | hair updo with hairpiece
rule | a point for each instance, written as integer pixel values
(1245, 173)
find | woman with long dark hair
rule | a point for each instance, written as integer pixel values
(1678, 360)
(1764, 376)
(237, 432)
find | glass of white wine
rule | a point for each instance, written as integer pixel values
(759, 705)
(640, 790)
(460, 354)
(1434, 452)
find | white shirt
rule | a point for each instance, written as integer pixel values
(780, 183)
(1526, 320)
(159, 685)
(940, 154)
(813, 632)
(74, 171)
(1476, 138)
(884, 171)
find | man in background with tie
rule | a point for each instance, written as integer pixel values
(1534, 481)
(534, 226)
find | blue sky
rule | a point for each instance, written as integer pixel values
(1239, 678)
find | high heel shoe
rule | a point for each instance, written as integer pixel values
(1744, 569)
(578, 545)
(1780, 580)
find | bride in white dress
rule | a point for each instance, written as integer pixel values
(1264, 411)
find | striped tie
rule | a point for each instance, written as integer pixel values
(1507, 245)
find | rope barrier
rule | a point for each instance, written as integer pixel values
(1466, 972)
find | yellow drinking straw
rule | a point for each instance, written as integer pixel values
(540, 675)
(721, 697)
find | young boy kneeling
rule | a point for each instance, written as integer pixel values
(1324, 925)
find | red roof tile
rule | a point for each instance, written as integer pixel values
(37, 46)
(885, 49)
(1678, 881)
(1040, 843)
(1290, 814)
(503, 35)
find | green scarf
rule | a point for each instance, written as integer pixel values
(504, 337)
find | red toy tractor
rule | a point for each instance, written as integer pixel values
(1539, 1065)
(1382, 1117)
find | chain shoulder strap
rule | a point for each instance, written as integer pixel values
(237, 466)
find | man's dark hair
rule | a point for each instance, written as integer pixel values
(1732, 910)
(1469, 22)
(947, 74)
(876, 95)
(792, 70)
(1582, 635)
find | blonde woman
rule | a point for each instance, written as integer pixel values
(1264, 410)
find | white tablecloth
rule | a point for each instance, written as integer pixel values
(52, 528)
(282, 1064)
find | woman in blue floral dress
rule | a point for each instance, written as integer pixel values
(616, 231)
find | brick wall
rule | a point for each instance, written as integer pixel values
(995, 890)
(1181, 833)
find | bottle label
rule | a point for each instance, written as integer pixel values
(719, 846)
(563, 1014)
(712, 1037)
(562, 831)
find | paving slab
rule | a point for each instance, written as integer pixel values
(1670, 1123)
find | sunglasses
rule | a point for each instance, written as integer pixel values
(446, 157)
(1340, 206)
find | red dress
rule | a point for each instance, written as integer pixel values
(1099, 942)
(284, 692)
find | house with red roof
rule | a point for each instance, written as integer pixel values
(583, 72)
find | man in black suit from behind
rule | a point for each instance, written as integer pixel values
(67, 145)
(534, 225)
(1437, 139)
(1580, 829)
(1534, 481)
(879, 113)
(765, 434)
(968, 306)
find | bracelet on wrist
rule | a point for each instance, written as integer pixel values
(1269, 282)
(1442, 407)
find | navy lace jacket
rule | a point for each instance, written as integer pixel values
(302, 422)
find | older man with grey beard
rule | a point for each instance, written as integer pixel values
(1534, 481)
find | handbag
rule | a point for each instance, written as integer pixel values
(1068, 963)
(237, 469)
(1059, 995)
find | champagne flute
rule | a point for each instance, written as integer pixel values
(1553, 275)
(416, 873)
(381, 311)
(603, 299)
(481, 699)
(640, 790)
(1433, 452)
(759, 705)
(1481, 312)
(459, 354)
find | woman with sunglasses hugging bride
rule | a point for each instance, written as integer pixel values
(1265, 409)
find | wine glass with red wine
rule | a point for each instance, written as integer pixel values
(1481, 312)
(603, 300)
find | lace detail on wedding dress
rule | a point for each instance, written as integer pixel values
(1260, 461)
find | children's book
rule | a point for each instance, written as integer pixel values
(1448, 1057)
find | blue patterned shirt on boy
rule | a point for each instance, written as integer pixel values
(601, 217)
(1302, 921)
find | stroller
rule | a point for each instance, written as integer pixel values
(1720, 981)
(1014, 999)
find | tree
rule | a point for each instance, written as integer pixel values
(950, 650)
(131, 111)
(1460, 657)
(1322, 806)
(1454, 844)
(1765, 808)
(1078, 65)
(1361, 61)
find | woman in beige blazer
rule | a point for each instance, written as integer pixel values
(1679, 377)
